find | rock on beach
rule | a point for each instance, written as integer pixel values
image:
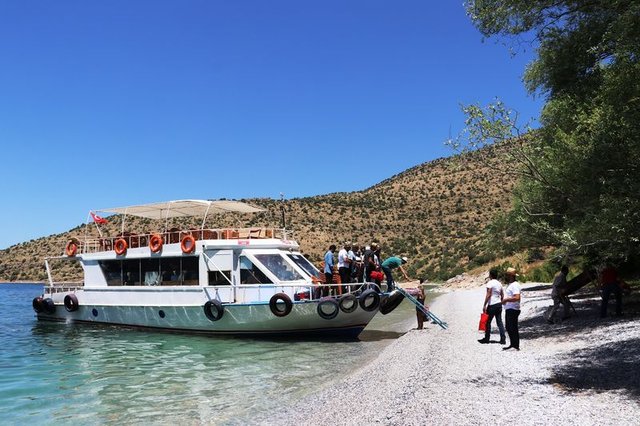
(583, 371)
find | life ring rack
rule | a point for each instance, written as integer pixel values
(120, 246)
(155, 243)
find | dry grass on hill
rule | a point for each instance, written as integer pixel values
(434, 213)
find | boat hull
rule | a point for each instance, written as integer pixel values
(254, 319)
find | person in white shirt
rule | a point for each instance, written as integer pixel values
(353, 265)
(344, 266)
(493, 306)
(512, 309)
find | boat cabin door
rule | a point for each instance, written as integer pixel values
(219, 270)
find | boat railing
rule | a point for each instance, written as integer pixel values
(175, 235)
(63, 287)
(311, 291)
(248, 292)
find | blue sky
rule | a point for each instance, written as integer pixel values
(108, 104)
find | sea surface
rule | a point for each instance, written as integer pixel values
(53, 373)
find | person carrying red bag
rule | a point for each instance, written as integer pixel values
(493, 307)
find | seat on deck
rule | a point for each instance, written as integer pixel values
(106, 244)
(208, 234)
(255, 233)
(173, 236)
(228, 234)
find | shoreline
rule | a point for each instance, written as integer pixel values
(581, 371)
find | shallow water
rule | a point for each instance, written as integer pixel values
(64, 373)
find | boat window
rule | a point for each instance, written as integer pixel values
(157, 271)
(303, 263)
(190, 270)
(131, 272)
(112, 270)
(151, 271)
(251, 274)
(218, 277)
(277, 265)
(171, 267)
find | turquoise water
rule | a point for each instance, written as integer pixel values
(65, 373)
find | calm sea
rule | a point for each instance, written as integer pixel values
(60, 373)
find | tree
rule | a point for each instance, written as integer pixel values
(580, 186)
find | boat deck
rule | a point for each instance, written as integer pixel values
(174, 235)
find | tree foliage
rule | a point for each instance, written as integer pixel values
(580, 186)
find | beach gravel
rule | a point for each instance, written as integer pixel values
(583, 371)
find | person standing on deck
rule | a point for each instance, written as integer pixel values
(512, 309)
(328, 268)
(390, 264)
(344, 265)
(354, 255)
(370, 261)
(493, 306)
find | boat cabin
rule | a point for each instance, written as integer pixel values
(239, 265)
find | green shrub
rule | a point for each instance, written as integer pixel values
(534, 255)
(544, 273)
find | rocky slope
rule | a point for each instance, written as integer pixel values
(434, 213)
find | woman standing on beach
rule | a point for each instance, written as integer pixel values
(493, 306)
(512, 309)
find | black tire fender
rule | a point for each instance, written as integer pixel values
(391, 302)
(328, 301)
(375, 297)
(71, 302)
(48, 306)
(38, 304)
(273, 304)
(348, 303)
(213, 310)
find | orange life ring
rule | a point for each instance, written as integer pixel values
(155, 243)
(120, 246)
(188, 244)
(72, 248)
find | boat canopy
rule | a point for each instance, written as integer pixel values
(184, 208)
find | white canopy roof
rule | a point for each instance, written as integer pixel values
(182, 208)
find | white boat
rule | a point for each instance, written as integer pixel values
(224, 281)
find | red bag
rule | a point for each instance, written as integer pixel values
(483, 322)
(377, 275)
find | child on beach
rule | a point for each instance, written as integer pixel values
(421, 316)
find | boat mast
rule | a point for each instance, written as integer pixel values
(284, 222)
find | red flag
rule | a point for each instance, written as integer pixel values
(97, 219)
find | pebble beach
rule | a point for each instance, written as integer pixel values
(584, 370)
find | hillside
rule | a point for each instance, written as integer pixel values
(434, 213)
